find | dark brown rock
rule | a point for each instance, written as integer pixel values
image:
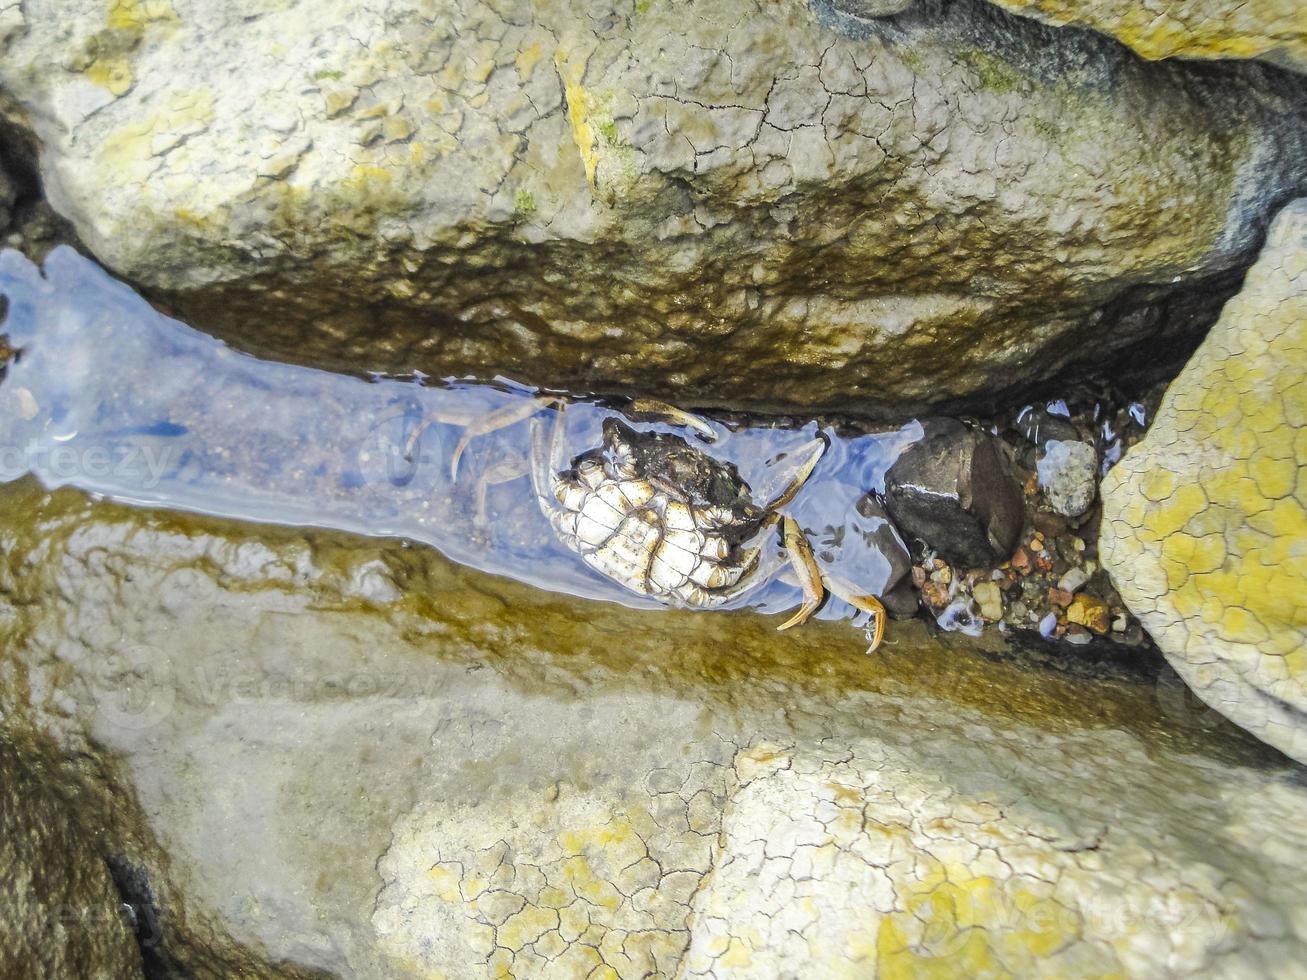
(1049, 524)
(954, 491)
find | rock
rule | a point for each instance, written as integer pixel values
(463, 775)
(63, 916)
(1274, 30)
(1048, 524)
(954, 491)
(936, 595)
(871, 9)
(1090, 612)
(901, 602)
(8, 194)
(1039, 425)
(1060, 597)
(723, 203)
(1073, 579)
(1205, 521)
(989, 599)
(1068, 475)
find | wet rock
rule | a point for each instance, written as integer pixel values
(62, 914)
(724, 203)
(870, 9)
(1068, 475)
(902, 601)
(1273, 30)
(8, 193)
(989, 599)
(1205, 520)
(1090, 612)
(954, 491)
(465, 776)
(1039, 426)
(1049, 524)
(1073, 579)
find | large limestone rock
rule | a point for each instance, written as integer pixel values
(1205, 521)
(736, 202)
(362, 759)
(1275, 30)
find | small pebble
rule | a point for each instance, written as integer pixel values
(1060, 597)
(1089, 611)
(1048, 626)
(1077, 635)
(1120, 623)
(990, 600)
(1073, 580)
(935, 594)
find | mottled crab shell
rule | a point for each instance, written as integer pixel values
(658, 517)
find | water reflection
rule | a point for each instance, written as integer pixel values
(108, 395)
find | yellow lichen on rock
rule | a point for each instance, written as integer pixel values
(1205, 521)
(110, 52)
(1272, 29)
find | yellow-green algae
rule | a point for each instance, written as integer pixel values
(1205, 521)
(1188, 28)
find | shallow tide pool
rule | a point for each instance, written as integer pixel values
(108, 395)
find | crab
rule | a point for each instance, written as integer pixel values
(665, 519)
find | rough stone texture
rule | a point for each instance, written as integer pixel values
(840, 211)
(1275, 30)
(1205, 520)
(955, 492)
(7, 194)
(363, 759)
(865, 9)
(60, 915)
(1068, 475)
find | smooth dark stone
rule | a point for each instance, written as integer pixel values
(954, 491)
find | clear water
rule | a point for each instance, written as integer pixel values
(109, 395)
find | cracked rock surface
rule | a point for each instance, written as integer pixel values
(841, 210)
(1205, 519)
(1275, 30)
(361, 759)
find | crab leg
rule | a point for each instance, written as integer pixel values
(805, 568)
(546, 458)
(810, 454)
(500, 418)
(501, 471)
(861, 601)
